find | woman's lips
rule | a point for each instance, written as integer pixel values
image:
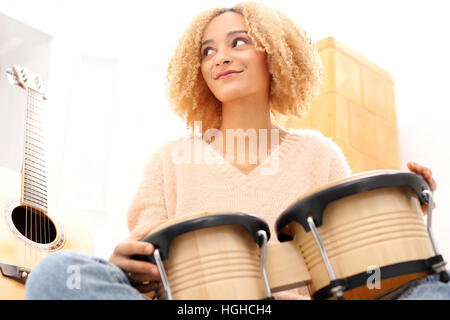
(228, 75)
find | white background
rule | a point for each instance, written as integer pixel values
(107, 109)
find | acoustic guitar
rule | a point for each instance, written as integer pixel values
(27, 232)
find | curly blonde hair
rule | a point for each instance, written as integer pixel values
(293, 63)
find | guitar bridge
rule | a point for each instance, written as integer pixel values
(17, 273)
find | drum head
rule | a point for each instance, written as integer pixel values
(314, 203)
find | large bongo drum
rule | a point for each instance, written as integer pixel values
(364, 236)
(217, 256)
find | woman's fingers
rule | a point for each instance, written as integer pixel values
(121, 257)
(138, 267)
(425, 172)
(131, 247)
(146, 286)
(142, 277)
(145, 282)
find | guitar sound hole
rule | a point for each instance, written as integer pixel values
(34, 224)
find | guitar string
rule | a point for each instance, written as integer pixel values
(33, 107)
(39, 212)
(26, 263)
(46, 193)
(33, 210)
(31, 186)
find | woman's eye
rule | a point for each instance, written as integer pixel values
(241, 40)
(205, 51)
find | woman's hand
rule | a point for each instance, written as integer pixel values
(427, 175)
(144, 276)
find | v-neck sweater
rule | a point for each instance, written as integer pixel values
(181, 180)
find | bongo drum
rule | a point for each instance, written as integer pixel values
(364, 236)
(218, 256)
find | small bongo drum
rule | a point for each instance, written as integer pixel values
(364, 236)
(218, 256)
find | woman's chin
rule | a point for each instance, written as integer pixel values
(229, 97)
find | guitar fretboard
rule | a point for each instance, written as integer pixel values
(34, 187)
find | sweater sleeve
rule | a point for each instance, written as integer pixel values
(148, 206)
(338, 165)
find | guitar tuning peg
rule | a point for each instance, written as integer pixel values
(11, 77)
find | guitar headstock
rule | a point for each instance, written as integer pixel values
(24, 78)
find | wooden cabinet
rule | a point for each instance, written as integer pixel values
(355, 107)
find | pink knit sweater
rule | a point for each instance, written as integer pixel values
(171, 188)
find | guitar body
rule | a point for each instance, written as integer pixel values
(16, 249)
(27, 232)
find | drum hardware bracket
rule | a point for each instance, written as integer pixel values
(438, 267)
(337, 289)
(429, 196)
(263, 235)
(438, 264)
(163, 274)
(17, 273)
(442, 271)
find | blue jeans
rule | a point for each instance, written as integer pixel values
(72, 275)
(428, 288)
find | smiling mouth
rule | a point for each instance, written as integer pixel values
(229, 75)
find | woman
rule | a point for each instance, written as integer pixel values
(235, 70)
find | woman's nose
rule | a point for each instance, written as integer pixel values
(224, 60)
(222, 57)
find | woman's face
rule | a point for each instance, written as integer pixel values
(226, 46)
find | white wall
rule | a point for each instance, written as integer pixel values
(107, 101)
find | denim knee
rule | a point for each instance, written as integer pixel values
(74, 275)
(51, 274)
(428, 288)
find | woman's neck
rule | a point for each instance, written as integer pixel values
(246, 113)
(248, 119)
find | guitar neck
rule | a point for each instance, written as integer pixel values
(34, 175)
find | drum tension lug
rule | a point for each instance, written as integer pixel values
(337, 288)
(17, 273)
(438, 265)
(442, 271)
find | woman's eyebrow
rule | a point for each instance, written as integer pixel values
(228, 34)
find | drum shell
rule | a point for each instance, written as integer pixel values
(366, 230)
(215, 263)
